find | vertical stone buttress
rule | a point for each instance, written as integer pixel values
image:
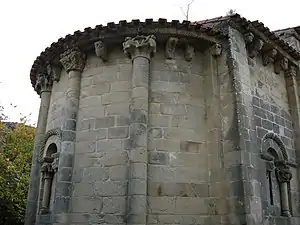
(43, 87)
(140, 49)
(73, 61)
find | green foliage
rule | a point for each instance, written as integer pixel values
(16, 146)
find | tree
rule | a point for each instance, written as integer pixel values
(16, 146)
(187, 11)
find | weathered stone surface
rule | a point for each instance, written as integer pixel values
(184, 129)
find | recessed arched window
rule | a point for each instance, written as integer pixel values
(278, 175)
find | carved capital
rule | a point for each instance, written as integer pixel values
(216, 50)
(53, 72)
(270, 166)
(46, 167)
(253, 44)
(140, 46)
(269, 57)
(73, 59)
(189, 52)
(101, 50)
(170, 47)
(283, 172)
(55, 162)
(43, 82)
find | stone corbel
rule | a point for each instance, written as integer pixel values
(101, 50)
(282, 64)
(170, 47)
(269, 56)
(189, 52)
(53, 72)
(216, 50)
(253, 44)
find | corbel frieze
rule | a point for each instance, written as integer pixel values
(216, 49)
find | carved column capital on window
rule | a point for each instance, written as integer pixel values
(143, 46)
(55, 162)
(283, 172)
(44, 82)
(291, 71)
(170, 47)
(46, 168)
(73, 59)
(270, 166)
(101, 50)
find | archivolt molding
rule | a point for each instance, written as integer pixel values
(271, 140)
(53, 132)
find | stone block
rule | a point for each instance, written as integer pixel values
(162, 205)
(160, 173)
(119, 172)
(115, 97)
(169, 109)
(158, 157)
(95, 174)
(191, 205)
(86, 205)
(164, 145)
(155, 133)
(120, 86)
(109, 188)
(114, 205)
(159, 120)
(83, 189)
(105, 122)
(109, 145)
(117, 109)
(118, 132)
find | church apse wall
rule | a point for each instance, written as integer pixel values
(166, 123)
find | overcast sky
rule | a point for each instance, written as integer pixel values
(29, 26)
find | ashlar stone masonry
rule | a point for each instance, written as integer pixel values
(161, 122)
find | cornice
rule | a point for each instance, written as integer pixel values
(85, 40)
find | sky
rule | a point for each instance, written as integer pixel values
(27, 27)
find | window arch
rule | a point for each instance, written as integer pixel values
(49, 158)
(278, 174)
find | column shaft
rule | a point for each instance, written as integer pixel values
(47, 192)
(33, 192)
(284, 199)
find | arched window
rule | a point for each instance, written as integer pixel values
(48, 177)
(278, 175)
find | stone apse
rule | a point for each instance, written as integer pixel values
(161, 122)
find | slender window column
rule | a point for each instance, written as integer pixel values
(73, 61)
(43, 87)
(47, 176)
(284, 176)
(140, 49)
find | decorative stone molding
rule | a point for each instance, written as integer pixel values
(283, 172)
(270, 166)
(189, 52)
(272, 138)
(144, 46)
(101, 50)
(44, 83)
(216, 50)
(72, 59)
(55, 162)
(53, 132)
(170, 47)
(53, 72)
